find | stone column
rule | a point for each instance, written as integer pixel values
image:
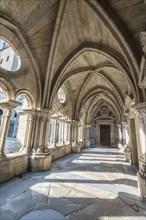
(68, 131)
(81, 142)
(62, 135)
(40, 158)
(112, 135)
(97, 133)
(8, 106)
(119, 136)
(54, 130)
(65, 132)
(141, 143)
(27, 145)
(87, 139)
(127, 150)
(75, 144)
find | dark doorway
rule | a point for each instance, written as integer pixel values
(105, 135)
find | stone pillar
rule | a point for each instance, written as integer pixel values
(65, 132)
(97, 133)
(27, 144)
(62, 135)
(141, 143)
(87, 139)
(54, 130)
(80, 139)
(68, 131)
(112, 135)
(40, 158)
(119, 136)
(75, 144)
(127, 150)
(8, 106)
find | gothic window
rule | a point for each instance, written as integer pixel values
(61, 95)
(8, 53)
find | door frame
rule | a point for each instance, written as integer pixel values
(112, 135)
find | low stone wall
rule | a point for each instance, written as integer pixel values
(13, 165)
(17, 163)
(59, 151)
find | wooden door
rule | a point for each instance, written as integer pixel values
(105, 135)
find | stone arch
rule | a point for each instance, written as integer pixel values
(29, 97)
(12, 33)
(107, 100)
(111, 54)
(7, 88)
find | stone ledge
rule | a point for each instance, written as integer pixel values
(13, 165)
(59, 151)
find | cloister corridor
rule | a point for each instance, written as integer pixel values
(94, 184)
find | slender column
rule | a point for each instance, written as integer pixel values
(69, 132)
(40, 158)
(59, 132)
(27, 145)
(87, 139)
(54, 130)
(127, 150)
(65, 131)
(97, 133)
(75, 144)
(7, 106)
(62, 131)
(119, 135)
(141, 143)
(112, 135)
(127, 132)
(51, 135)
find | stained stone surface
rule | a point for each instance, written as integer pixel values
(94, 184)
(45, 215)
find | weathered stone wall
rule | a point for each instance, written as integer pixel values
(13, 165)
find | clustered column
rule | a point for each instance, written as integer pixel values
(75, 130)
(54, 130)
(119, 136)
(40, 158)
(86, 136)
(8, 106)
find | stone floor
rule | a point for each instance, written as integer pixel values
(94, 184)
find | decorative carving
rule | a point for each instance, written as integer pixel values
(129, 102)
(104, 112)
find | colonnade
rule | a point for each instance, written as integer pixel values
(39, 126)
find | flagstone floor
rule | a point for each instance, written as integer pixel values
(94, 184)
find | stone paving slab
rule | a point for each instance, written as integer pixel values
(79, 186)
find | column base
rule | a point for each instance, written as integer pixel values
(142, 186)
(2, 155)
(81, 144)
(120, 146)
(75, 147)
(87, 143)
(40, 162)
(127, 154)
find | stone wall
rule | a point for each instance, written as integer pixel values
(13, 165)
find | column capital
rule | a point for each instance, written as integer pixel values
(119, 124)
(9, 104)
(87, 126)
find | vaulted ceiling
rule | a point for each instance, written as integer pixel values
(91, 45)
